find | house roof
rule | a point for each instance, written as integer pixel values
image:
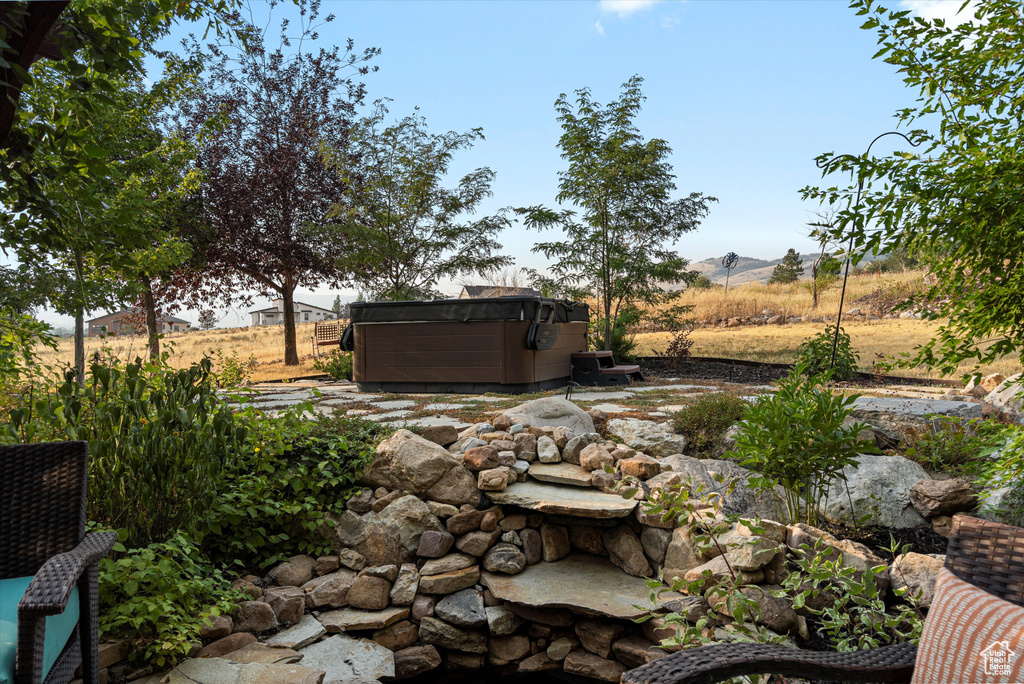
(479, 291)
(274, 309)
(121, 313)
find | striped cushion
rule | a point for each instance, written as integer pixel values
(970, 637)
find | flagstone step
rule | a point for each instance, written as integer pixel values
(581, 583)
(564, 500)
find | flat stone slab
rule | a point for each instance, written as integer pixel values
(563, 500)
(443, 407)
(221, 671)
(601, 396)
(560, 473)
(354, 620)
(652, 388)
(429, 421)
(580, 582)
(279, 403)
(390, 415)
(612, 408)
(303, 633)
(483, 398)
(392, 405)
(259, 652)
(349, 660)
(919, 409)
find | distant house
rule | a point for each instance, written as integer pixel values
(304, 313)
(488, 291)
(132, 322)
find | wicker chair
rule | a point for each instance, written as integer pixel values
(42, 534)
(987, 554)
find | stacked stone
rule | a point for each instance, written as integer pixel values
(455, 556)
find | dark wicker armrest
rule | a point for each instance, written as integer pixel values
(50, 589)
(711, 664)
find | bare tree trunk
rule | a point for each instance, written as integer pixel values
(291, 354)
(607, 322)
(79, 320)
(151, 325)
(814, 285)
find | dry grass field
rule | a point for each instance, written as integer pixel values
(779, 343)
(886, 338)
(265, 344)
(791, 299)
(759, 343)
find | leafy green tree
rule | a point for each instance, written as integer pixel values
(790, 270)
(958, 195)
(70, 185)
(207, 319)
(403, 230)
(618, 240)
(701, 282)
(336, 307)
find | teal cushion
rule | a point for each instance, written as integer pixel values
(58, 627)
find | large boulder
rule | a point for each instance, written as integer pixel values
(1008, 397)
(551, 412)
(393, 535)
(879, 489)
(744, 499)
(943, 497)
(903, 417)
(916, 572)
(653, 439)
(408, 462)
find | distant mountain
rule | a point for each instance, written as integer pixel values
(748, 270)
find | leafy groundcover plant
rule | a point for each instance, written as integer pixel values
(160, 596)
(707, 417)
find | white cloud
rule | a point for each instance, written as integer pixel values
(624, 8)
(597, 25)
(942, 9)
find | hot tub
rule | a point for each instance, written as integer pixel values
(466, 346)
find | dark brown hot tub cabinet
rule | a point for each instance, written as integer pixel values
(466, 346)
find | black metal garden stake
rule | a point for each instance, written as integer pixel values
(849, 249)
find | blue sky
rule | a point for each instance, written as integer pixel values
(746, 92)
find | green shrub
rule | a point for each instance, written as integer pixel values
(707, 417)
(952, 444)
(296, 471)
(623, 339)
(159, 596)
(796, 439)
(233, 371)
(816, 355)
(677, 353)
(159, 442)
(337, 364)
